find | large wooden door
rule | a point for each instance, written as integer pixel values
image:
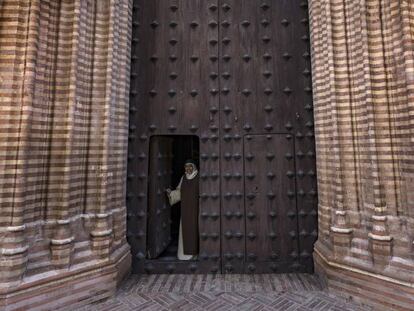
(159, 211)
(226, 70)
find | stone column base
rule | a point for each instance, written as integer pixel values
(69, 289)
(380, 292)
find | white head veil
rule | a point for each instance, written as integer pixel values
(195, 171)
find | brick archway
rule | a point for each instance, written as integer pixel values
(64, 81)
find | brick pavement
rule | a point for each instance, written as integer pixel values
(224, 292)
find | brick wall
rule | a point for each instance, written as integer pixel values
(363, 76)
(64, 83)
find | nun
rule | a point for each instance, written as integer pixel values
(187, 192)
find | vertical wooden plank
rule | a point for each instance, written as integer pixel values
(232, 74)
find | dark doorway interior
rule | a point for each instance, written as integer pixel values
(168, 154)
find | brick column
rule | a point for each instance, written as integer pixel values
(102, 235)
(61, 245)
(380, 239)
(13, 257)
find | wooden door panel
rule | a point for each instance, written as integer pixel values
(271, 222)
(266, 89)
(175, 90)
(159, 212)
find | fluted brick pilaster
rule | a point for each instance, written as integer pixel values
(363, 93)
(64, 87)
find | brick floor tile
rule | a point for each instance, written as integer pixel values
(266, 292)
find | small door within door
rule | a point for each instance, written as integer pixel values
(271, 224)
(159, 212)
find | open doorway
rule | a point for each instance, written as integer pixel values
(168, 155)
